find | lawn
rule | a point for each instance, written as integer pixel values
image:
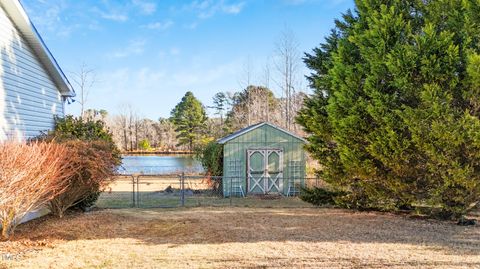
(240, 237)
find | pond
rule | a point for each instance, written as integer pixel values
(160, 164)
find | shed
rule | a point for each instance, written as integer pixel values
(261, 159)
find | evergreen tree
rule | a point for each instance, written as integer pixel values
(394, 119)
(189, 118)
(220, 104)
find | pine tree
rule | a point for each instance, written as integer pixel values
(189, 118)
(394, 119)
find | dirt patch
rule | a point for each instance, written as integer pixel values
(240, 237)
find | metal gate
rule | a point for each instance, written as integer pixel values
(265, 171)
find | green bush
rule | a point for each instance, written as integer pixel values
(88, 201)
(144, 144)
(70, 127)
(317, 196)
(94, 133)
(211, 157)
(323, 196)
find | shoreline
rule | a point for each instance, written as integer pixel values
(158, 153)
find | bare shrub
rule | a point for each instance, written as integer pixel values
(96, 165)
(30, 176)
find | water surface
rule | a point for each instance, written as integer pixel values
(160, 164)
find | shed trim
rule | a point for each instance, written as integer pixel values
(19, 17)
(253, 127)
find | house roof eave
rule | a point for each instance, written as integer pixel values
(17, 14)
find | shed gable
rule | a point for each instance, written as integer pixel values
(263, 134)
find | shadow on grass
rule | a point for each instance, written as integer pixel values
(250, 225)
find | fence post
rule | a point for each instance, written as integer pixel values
(133, 191)
(231, 189)
(182, 187)
(138, 190)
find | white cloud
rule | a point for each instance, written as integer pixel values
(114, 16)
(159, 25)
(163, 85)
(174, 51)
(148, 79)
(233, 9)
(135, 47)
(94, 25)
(198, 76)
(129, 80)
(294, 2)
(119, 12)
(123, 83)
(49, 16)
(111, 12)
(301, 2)
(146, 7)
(208, 8)
(191, 26)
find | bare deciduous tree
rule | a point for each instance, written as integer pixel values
(286, 61)
(259, 101)
(266, 84)
(84, 80)
(244, 81)
(119, 128)
(126, 125)
(129, 129)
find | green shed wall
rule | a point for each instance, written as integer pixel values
(262, 137)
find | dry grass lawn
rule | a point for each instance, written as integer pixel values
(240, 238)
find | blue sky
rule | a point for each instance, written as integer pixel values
(149, 53)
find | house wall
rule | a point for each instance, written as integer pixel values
(29, 99)
(262, 137)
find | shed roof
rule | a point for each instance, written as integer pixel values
(19, 17)
(245, 130)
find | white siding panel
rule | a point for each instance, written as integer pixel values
(29, 99)
(27, 62)
(25, 71)
(25, 86)
(27, 105)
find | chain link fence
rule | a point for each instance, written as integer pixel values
(178, 190)
(120, 194)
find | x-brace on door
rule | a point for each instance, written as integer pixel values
(265, 170)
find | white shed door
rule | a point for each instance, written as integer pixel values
(265, 171)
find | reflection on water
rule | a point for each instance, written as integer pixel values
(159, 164)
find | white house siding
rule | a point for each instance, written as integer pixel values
(29, 98)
